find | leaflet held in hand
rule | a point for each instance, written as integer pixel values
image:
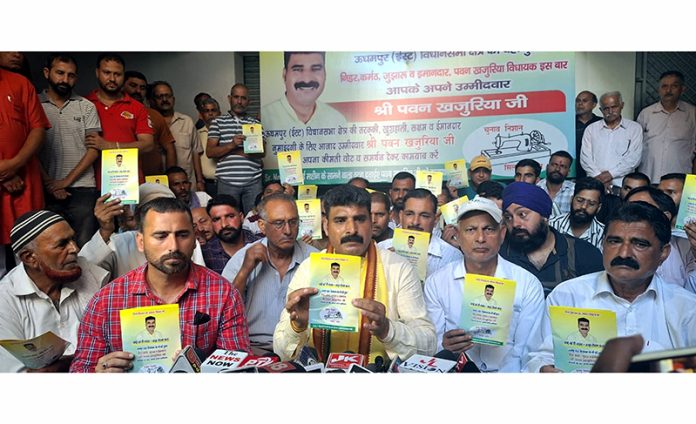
(37, 352)
(253, 141)
(120, 175)
(305, 192)
(687, 206)
(310, 218)
(290, 167)
(450, 211)
(153, 335)
(487, 308)
(429, 180)
(455, 172)
(413, 245)
(337, 277)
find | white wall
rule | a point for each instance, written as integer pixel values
(600, 72)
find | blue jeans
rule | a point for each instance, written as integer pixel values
(246, 193)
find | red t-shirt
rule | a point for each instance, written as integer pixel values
(122, 122)
(20, 112)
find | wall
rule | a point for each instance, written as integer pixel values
(601, 72)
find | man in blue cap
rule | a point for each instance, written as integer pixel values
(532, 244)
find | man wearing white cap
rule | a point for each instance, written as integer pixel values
(49, 290)
(117, 252)
(481, 234)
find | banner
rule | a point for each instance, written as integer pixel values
(372, 114)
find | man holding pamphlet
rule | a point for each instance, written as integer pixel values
(494, 332)
(629, 296)
(202, 308)
(393, 320)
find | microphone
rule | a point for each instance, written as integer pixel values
(464, 363)
(394, 365)
(187, 361)
(377, 366)
(427, 364)
(343, 361)
(279, 367)
(223, 359)
(252, 362)
(355, 368)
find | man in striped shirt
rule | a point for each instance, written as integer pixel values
(238, 173)
(581, 221)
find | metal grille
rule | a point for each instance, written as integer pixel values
(649, 66)
(252, 79)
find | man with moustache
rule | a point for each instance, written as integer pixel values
(481, 233)
(49, 290)
(402, 183)
(480, 170)
(188, 145)
(581, 221)
(68, 175)
(672, 184)
(393, 316)
(165, 236)
(528, 171)
(263, 270)
(230, 237)
(208, 109)
(669, 130)
(611, 148)
(125, 122)
(555, 184)
(202, 225)
(180, 185)
(304, 75)
(420, 209)
(164, 154)
(238, 173)
(380, 217)
(636, 242)
(530, 243)
(585, 102)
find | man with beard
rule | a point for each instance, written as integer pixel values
(304, 75)
(263, 270)
(611, 148)
(238, 173)
(188, 145)
(555, 184)
(530, 243)
(636, 242)
(180, 185)
(393, 315)
(202, 225)
(380, 217)
(125, 122)
(670, 130)
(585, 102)
(230, 236)
(581, 221)
(165, 237)
(48, 290)
(402, 183)
(67, 171)
(420, 209)
(136, 86)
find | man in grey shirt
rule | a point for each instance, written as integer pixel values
(262, 271)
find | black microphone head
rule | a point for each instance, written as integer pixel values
(447, 354)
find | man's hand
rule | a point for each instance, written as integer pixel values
(60, 194)
(13, 184)
(307, 239)
(457, 341)
(690, 230)
(238, 140)
(105, 213)
(55, 185)
(95, 141)
(200, 185)
(255, 254)
(298, 307)
(605, 177)
(7, 170)
(375, 313)
(617, 353)
(61, 364)
(115, 362)
(549, 368)
(288, 189)
(449, 235)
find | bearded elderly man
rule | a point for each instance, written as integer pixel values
(636, 242)
(262, 271)
(535, 246)
(166, 238)
(393, 315)
(49, 290)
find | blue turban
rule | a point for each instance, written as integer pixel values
(528, 195)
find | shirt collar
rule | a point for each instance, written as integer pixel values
(43, 97)
(621, 125)
(661, 109)
(434, 247)
(138, 285)
(25, 286)
(603, 285)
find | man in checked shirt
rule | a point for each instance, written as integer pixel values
(211, 311)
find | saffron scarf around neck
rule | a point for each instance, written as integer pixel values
(363, 342)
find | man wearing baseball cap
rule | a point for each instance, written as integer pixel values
(532, 244)
(481, 233)
(48, 290)
(480, 170)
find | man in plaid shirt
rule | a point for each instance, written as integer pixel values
(211, 311)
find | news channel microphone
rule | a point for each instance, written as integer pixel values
(282, 367)
(342, 361)
(187, 361)
(427, 364)
(464, 363)
(222, 359)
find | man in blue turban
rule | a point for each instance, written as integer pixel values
(530, 243)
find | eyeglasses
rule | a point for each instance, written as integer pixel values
(280, 224)
(162, 97)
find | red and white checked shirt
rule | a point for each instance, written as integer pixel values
(206, 292)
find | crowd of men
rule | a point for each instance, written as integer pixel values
(221, 244)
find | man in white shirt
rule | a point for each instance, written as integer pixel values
(481, 234)
(669, 130)
(636, 242)
(50, 288)
(612, 147)
(420, 209)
